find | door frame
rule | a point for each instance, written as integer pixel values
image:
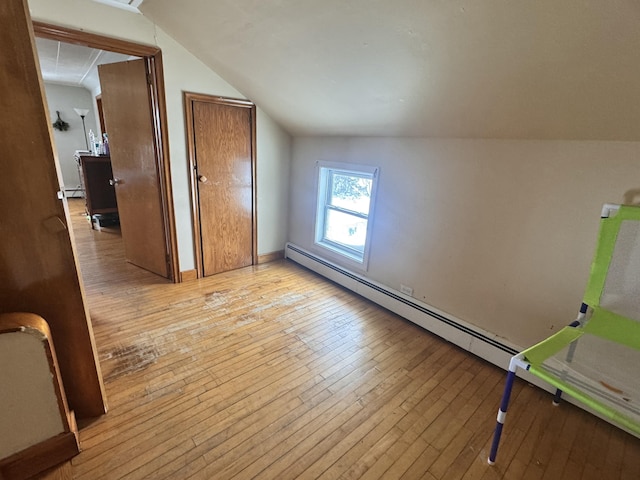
(153, 58)
(189, 99)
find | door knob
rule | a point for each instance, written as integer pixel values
(202, 178)
(114, 181)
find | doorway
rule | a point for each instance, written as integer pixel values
(221, 146)
(152, 58)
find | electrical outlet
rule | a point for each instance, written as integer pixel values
(406, 290)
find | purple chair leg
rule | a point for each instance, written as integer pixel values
(502, 414)
(557, 397)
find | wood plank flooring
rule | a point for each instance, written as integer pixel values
(271, 372)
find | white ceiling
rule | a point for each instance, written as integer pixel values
(74, 65)
(540, 69)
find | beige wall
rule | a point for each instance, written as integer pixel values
(64, 98)
(184, 72)
(274, 149)
(497, 233)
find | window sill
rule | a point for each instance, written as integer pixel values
(342, 256)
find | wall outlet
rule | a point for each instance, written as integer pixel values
(406, 290)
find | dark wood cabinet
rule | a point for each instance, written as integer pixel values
(100, 194)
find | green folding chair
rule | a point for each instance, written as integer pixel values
(596, 359)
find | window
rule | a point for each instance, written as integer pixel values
(345, 200)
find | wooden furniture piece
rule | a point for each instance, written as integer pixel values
(38, 430)
(100, 193)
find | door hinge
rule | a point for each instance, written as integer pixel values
(168, 259)
(149, 79)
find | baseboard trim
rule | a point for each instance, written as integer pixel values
(188, 275)
(270, 257)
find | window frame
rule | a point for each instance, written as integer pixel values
(324, 172)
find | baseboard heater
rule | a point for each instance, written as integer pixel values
(473, 339)
(77, 192)
(481, 343)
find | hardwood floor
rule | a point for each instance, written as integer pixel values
(271, 372)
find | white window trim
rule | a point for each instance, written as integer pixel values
(335, 253)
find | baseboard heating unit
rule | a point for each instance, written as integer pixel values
(481, 343)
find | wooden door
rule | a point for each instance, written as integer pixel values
(129, 123)
(39, 271)
(222, 146)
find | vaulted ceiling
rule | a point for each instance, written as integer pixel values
(543, 69)
(459, 68)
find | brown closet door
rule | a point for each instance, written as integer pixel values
(222, 140)
(128, 118)
(39, 271)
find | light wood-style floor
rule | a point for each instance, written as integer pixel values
(271, 372)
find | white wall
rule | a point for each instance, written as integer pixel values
(184, 72)
(274, 148)
(64, 98)
(497, 233)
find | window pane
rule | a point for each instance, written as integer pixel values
(346, 229)
(352, 192)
